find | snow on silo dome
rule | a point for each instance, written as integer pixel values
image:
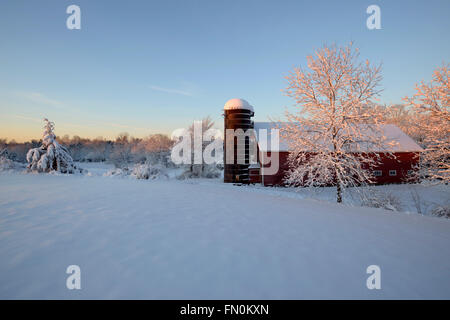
(234, 104)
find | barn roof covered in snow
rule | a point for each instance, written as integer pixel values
(396, 140)
(234, 104)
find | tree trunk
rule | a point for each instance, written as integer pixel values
(339, 192)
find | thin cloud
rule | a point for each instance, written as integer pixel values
(172, 91)
(122, 126)
(42, 99)
(80, 125)
(19, 116)
(40, 120)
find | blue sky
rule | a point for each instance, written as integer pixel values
(154, 66)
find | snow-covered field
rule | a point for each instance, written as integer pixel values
(198, 239)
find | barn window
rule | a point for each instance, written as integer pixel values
(392, 173)
(377, 173)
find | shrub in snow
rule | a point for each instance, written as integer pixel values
(121, 156)
(4, 153)
(377, 199)
(161, 158)
(50, 156)
(94, 156)
(206, 171)
(148, 171)
(211, 172)
(118, 172)
(7, 164)
(441, 211)
(140, 171)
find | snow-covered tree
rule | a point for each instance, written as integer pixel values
(206, 124)
(334, 129)
(431, 102)
(122, 156)
(197, 132)
(154, 149)
(50, 156)
(7, 161)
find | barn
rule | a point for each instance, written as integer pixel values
(389, 170)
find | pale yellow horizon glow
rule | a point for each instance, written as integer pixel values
(23, 129)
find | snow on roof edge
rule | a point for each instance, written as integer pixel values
(404, 142)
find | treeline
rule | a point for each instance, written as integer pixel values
(128, 149)
(121, 151)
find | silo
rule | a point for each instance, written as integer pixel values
(237, 113)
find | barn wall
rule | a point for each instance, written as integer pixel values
(275, 179)
(402, 163)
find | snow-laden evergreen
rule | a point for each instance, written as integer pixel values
(50, 156)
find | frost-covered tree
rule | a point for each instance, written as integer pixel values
(334, 129)
(7, 161)
(122, 156)
(206, 124)
(203, 168)
(431, 102)
(50, 156)
(154, 149)
(3, 144)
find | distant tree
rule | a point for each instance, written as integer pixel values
(335, 127)
(121, 155)
(65, 140)
(50, 156)
(122, 151)
(431, 102)
(3, 144)
(4, 152)
(206, 124)
(7, 161)
(153, 149)
(123, 138)
(201, 130)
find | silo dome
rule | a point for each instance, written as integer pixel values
(235, 104)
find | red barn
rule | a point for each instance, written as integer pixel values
(390, 170)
